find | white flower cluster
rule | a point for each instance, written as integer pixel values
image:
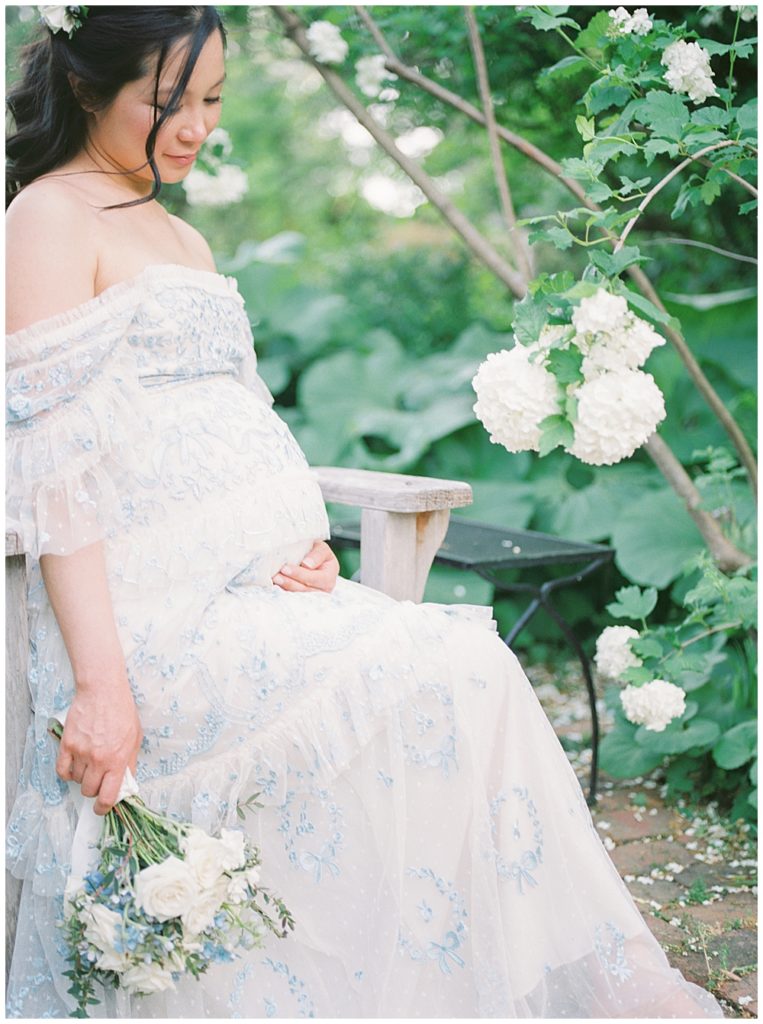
(228, 185)
(325, 43)
(746, 11)
(618, 405)
(623, 22)
(689, 70)
(613, 653)
(370, 74)
(653, 705)
(513, 396)
(59, 18)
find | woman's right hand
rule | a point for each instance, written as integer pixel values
(101, 739)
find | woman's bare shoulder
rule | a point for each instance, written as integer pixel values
(195, 242)
(51, 254)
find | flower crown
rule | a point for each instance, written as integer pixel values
(58, 18)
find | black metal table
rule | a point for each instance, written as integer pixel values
(494, 551)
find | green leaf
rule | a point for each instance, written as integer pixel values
(710, 191)
(586, 127)
(747, 116)
(679, 737)
(598, 192)
(716, 117)
(607, 149)
(555, 431)
(581, 170)
(654, 538)
(645, 306)
(620, 757)
(737, 746)
(565, 365)
(547, 22)
(655, 146)
(530, 316)
(613, 264)
(664, 112)
(646, 646)
(565, 67)
(594, 35)
(749, 206)
(560, 237)
(633, 603)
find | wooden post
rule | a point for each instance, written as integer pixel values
(17, 707)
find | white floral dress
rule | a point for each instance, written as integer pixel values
(420, 818)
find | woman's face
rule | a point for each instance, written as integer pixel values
(118, 133)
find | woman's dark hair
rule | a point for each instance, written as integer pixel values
(113, 46)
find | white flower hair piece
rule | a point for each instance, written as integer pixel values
(653, 705)
(689, 70)
(59, 18)
(326, 43)
(613, 653)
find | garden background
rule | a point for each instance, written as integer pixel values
(374, 298)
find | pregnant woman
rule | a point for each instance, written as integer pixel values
(419, 817)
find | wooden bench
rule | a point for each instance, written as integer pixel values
(404, 520)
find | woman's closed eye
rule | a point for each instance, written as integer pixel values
(210, 101)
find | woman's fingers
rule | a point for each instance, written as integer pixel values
(108, 792)
(318, 571)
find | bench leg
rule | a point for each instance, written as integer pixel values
(397, 550)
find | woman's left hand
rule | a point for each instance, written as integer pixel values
(318, 570)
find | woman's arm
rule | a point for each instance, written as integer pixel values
(102, 734)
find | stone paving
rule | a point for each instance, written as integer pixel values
(692, 874)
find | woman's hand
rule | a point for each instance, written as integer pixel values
(318, 570)
(101, 739)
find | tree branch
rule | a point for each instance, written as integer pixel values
(726, 556)
(735, 177)
(661, 185)
(501, 179)
(479, 245)
(668, 240)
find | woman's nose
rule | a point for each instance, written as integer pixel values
(193, 128)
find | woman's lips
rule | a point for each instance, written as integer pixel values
(183, 160)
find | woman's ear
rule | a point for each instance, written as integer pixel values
(81, 93)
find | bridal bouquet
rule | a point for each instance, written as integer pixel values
(164, 899)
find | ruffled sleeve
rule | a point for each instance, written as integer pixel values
(72, 403)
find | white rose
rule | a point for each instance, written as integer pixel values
(102, 926)
(204, 855)
(653, 705)
(234, 849)
(513, 396)
(601, 311)
(57, 18)
(166, 890)
(613, 654)
(616, 414)
(111, 961)
(143, 979)
(238, 889)
(326, 43)
(201, 914)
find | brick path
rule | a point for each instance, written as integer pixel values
(693, 876)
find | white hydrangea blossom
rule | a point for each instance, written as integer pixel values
(689, 70)
(228, 185)
(370, 74)
(513, 396)
(623, 22)
(601, 311)
(617, 412)
(653, 705)
(746, 12)
(325, 43)
(613, 654)
(627, 348)
(219, 137)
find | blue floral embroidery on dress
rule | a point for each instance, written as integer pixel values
(312, 849)
(522, 868)
(610, 950)
(445, 951)
(296, 985)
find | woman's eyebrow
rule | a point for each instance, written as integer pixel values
(165, 90)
